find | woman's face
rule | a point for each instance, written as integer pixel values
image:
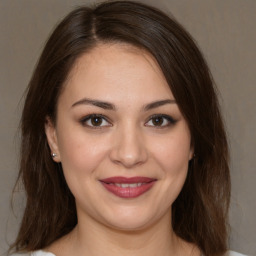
(121, 139)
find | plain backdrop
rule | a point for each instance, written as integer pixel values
(225, 31)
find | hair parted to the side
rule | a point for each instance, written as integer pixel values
(200, 211)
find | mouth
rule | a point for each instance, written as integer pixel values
(128, 187)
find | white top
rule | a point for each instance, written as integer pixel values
(42, 253)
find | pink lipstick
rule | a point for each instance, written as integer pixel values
(128, 187)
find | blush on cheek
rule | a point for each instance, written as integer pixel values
(178, 176)
(175, 159)
(80, 157)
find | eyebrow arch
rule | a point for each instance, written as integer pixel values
(109, 106)
(97, 103)
(158, 104)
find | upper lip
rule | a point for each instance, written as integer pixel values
(128, 180)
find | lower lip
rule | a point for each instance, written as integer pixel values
(128, 192)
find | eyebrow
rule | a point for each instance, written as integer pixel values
(159, 103)
(110, 106)
(97, 103)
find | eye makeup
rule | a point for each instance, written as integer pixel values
(160, 121)
(97, 121)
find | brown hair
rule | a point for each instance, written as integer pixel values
(200, 211)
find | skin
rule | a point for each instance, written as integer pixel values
(128, 142)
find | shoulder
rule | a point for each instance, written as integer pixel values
(42, 253)
(232, 253)
(35, 253)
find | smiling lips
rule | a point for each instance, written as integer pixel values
(128, 187)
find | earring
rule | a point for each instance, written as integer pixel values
(53, 155)
(193, 158)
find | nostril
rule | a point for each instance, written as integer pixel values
(128, 148)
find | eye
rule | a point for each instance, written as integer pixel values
(95, 121)
(160, 121)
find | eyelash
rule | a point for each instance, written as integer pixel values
(170, 121)
(90, 117)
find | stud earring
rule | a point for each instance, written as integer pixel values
(53, 155)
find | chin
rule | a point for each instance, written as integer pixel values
(131, 221)
(130, 225)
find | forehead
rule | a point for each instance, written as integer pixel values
(117, 71)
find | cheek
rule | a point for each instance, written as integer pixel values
(174, 164)
(80, 158)
(80, 154)
(173, 154)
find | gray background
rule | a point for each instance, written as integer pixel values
(226, 32)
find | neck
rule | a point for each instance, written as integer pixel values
(108, 241)
(92, 238)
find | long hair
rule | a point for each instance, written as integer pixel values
(199, 214)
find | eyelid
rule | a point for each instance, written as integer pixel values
(170, 119)
(84, 119)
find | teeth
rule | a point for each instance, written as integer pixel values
(132, 185)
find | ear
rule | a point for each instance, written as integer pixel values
(52, 139)
(192, 151)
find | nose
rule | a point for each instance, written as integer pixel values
(129, 148)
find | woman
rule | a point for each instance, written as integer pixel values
(123, 146)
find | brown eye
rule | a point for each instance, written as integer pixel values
(95, 121)
(157, 121)
(160, 121)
